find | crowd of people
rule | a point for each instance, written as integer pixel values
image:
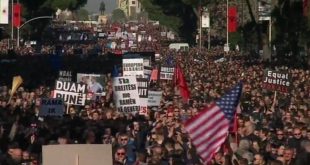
(273, 128)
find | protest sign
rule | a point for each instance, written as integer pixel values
(65, 75)
(70, 92)
(166, 73)
(147, 72)
(276, 81)
(154, 98)
(147, 56)
(78, 154)
(143, 94)
(146, 62)
(125, 90)
(51, 107)
(95, 84)
(133, 67)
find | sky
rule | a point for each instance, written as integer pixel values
(93, 5)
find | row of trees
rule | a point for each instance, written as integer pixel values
(291, 28)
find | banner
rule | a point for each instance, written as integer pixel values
(4, 8)
(277, 81)
(51, 107)
(205, 20)
(143, 94)
(232, 19)
(16, 13)
(70, 92)
(154, 98)
(126, 95)
(77, 154)
(64, 75)
(133, 67)
(166, 73)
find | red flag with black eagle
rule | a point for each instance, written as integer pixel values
(305, 6)
(180, 81)
(16, 14)
(232, 19)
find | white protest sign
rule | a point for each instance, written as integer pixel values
(77, 154)
(143, 94)
(166, 73)
(125, 90)
(71, 93)
(133, 67)
(51, 107)
(154, 98)
(147, 72)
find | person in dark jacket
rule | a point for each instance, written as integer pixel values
(13, 155)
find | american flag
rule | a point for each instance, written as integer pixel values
(208, 129)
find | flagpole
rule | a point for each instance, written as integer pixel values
(227, 39)
(200, 25)
(12, 26)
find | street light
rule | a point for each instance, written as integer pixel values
(18, 28)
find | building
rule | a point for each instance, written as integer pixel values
(130, 7)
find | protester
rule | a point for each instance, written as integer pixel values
(272, 128)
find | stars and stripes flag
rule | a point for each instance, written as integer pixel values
(208, 129)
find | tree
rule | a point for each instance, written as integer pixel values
(179, 16)
(33, 9)
(292, 32)
(102, 7)
(118, 15)
(82, 14)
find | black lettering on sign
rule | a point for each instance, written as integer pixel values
(127, 102)
(52, 102)
(123, 81)
(142, 92)
(51, 110)
(126, 95)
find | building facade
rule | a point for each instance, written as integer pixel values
(130, 7)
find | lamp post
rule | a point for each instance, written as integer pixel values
(36, 18)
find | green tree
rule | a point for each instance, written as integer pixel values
(102, 7)
(292, 32)
(34, 8)
(82, 15)
(118, 15)
(178, 15)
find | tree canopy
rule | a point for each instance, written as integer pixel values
(36, 8)
(178, 15)
(118, 15)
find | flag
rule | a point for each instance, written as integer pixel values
(181, 83)
(232, 19)
(234, 124)
(16, 14)
(154, 74)
(305, 7)
(115, 72)
(169, 60)
(17, 81)
(208, 129)
(4, 9)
